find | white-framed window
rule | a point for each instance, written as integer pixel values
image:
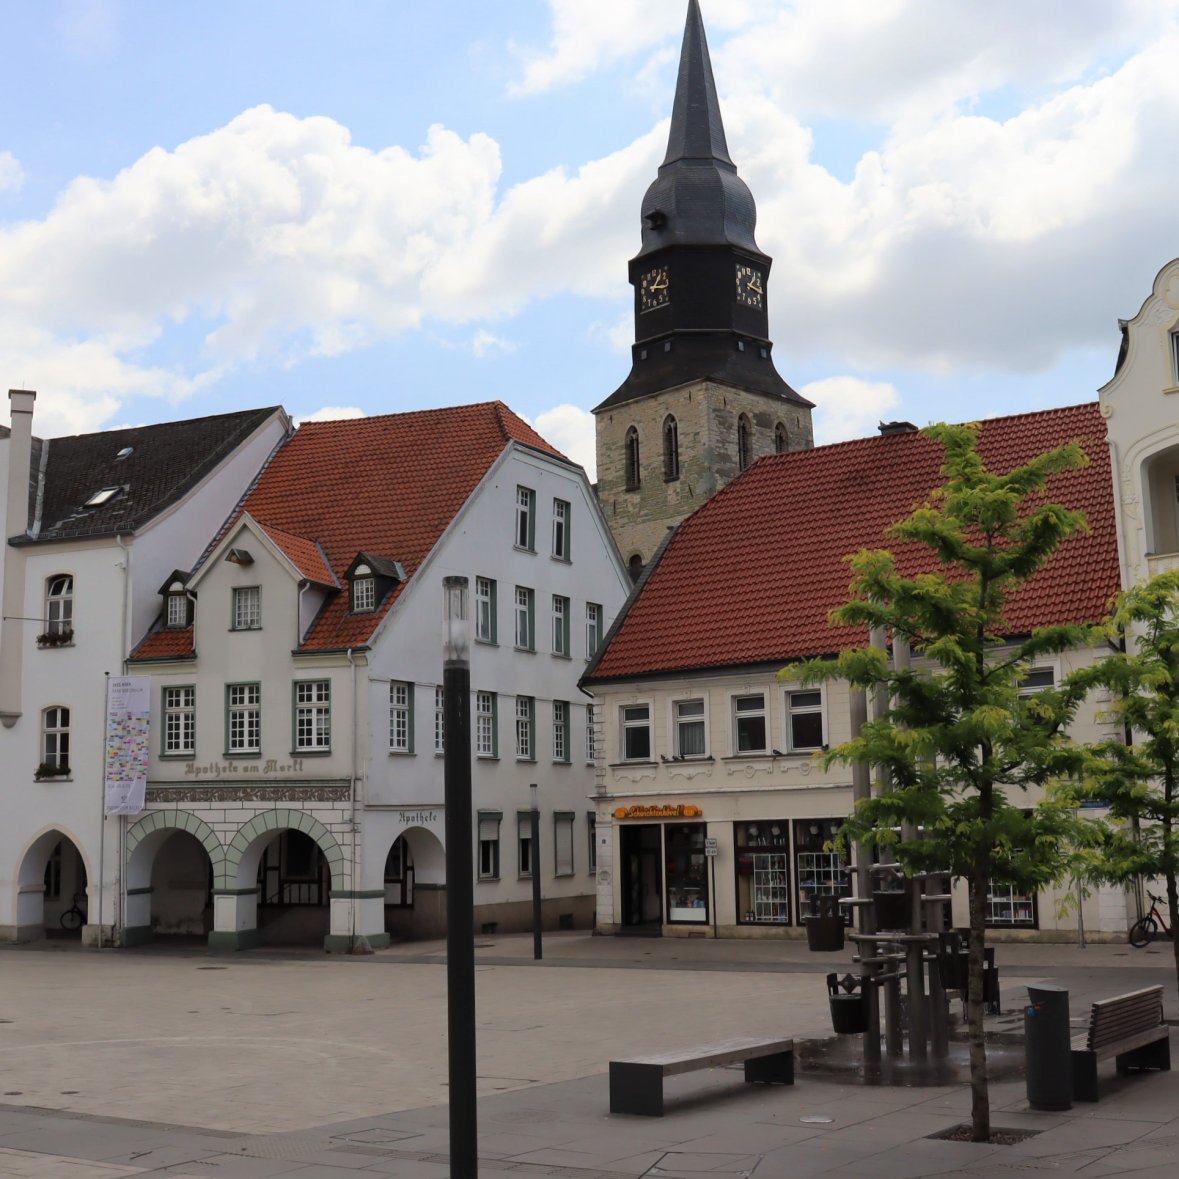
(59, 604)
(749, 723)
(690, 734)
(591, 732)
(593, 629)
(247, 607)
(485, 610)
(55, 738)
(561, 534)
(524, 844)
(804, 719)
(486, 724)
(636, 732)
(526, 518)
(560, 625)
(243, 718)
(560, 730)
(525, 615)
(1037, 679)
(179, 709)
(364, 593)
(563, 843)
(489, 822)
(591, 823)
(313, 716)
(439, 720)
(400, 717)
(525, 728)
(176, 611)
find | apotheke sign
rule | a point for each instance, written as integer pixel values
(665, 811)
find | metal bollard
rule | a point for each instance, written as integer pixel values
(1047, 1048)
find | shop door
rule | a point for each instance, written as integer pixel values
(642, 878)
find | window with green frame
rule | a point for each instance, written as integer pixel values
(400, 717)
(313, 716)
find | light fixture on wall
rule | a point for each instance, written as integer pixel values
(814, 828)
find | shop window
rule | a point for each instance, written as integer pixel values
(1008, 906)
(818, 872)
(636, 732)
(690, 737)
(687, 874)
(804, 720)
(749, 724)
(763, 872)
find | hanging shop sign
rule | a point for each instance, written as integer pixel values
(663, 811)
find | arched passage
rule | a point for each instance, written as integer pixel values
(173, 859)
(52, 883)
(415, 886)
(281, 870)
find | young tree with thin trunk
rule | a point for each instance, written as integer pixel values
(959, 745)
(1136, 772)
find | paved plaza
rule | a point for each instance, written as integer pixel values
(290, 1063)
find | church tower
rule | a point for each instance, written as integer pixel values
(703, 398)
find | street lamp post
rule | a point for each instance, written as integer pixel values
(537, 949)
(460, 888)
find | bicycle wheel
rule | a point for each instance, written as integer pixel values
(72, 920)
(1142, 932)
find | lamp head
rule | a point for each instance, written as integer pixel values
(456, 619)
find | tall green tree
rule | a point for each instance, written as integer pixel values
(959, 745)
(1136, 771)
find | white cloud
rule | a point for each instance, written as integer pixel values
(484, 343)
(11, 173)
(330, 413)
(571, 430)
(848, 407)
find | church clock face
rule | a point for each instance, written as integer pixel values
(653, 289)
(750, 289)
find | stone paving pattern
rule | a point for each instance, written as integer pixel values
(289, 1063)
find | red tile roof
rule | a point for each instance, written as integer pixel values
(166, 644)
(752, 576)
(305, 555)
(387, 485)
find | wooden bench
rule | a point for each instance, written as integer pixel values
(1127, 1027)
(636, 1085)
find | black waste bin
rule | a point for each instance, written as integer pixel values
(1047, 1049)
(824, 927)
(849, 1012)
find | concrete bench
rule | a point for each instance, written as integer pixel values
(636, 1085)
(1127, 1027)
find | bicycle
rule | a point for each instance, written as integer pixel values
(1144, 930)
(74, 918)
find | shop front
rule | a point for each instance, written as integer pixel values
(663, 869)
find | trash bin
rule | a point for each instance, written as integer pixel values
(891, 910)
(1047, 1051)
(824, 927)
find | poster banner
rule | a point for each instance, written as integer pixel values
(128, 715)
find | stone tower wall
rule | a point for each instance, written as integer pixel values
(706, 413)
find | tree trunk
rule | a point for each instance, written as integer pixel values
(1173, 905)
(980, 1101)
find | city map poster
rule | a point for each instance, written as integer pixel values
(128, 713)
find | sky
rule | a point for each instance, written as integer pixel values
(373, 206)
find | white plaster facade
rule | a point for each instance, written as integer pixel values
(358, 797)
(114, 593)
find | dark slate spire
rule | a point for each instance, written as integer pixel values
(697, 198)
(697, 132)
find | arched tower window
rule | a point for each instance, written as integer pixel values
(744, 443)
(781, 439)
(635, 567)
(671, 448)
(632, 459)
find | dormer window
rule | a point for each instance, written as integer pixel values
(364, 590)
(177, 613)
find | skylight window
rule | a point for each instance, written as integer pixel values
(102, 497)
(124, 453)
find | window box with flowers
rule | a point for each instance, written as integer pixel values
(46, 770)
(56, 638)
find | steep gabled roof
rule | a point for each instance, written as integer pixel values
(306, 556)
(387, 485)
(752, 576)
(160, 464)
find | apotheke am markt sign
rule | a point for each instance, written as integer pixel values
(665, 811)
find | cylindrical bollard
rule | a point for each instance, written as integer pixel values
(1047, 1049)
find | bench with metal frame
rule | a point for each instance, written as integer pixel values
(636, 1085)
(1129, 1028)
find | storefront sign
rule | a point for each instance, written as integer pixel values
(710, 847)
(128, 710)
(664, 811)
